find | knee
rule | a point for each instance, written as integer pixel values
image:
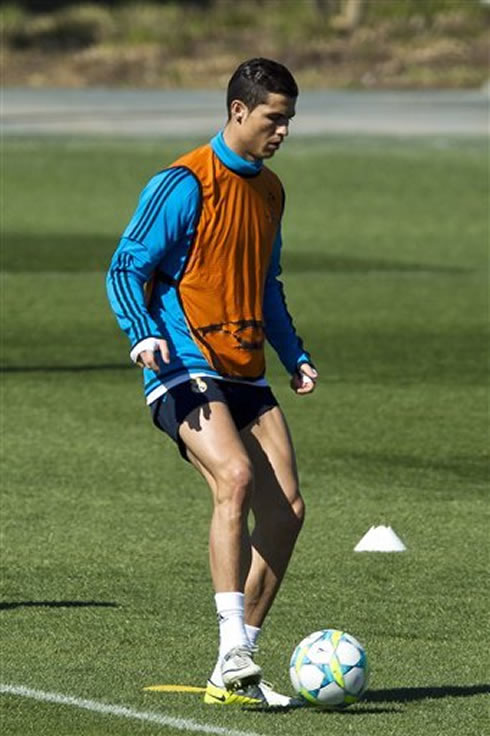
(298, 509)
(284, 522)
(276, 531)
(290, 517)
(292, 521)
(235, 482)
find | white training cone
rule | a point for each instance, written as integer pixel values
(380, 539)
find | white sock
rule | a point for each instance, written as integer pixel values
(232, 630)
(253, 633)
(231, 611)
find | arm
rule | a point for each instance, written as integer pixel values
(280, 331)
(165, 215)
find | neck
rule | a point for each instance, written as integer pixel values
(233, 141)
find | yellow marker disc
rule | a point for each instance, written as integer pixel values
(175, 689)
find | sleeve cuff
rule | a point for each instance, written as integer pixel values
(304, 358)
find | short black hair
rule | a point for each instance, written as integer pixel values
(254, 79)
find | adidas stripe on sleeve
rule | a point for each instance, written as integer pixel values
(164, 218)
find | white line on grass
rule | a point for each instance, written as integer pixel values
(181, 724)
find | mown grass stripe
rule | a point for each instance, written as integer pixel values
(181, 724)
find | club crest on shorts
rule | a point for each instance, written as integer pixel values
(198, 386)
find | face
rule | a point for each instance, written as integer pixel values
(260, 132)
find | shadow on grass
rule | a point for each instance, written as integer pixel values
(11, 605)
(398, 696)
(72, 252)
(472, 467)
(411, 694)
(358, 710)
(314, 261)
(65, 368)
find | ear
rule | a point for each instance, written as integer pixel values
(238, 111)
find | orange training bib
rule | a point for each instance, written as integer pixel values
(222, 287)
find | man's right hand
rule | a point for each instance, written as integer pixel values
(148, 358)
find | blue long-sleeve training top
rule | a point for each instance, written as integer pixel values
(159, 239)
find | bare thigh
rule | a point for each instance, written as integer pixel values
(212, 439)
(270, 448)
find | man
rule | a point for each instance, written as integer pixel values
(194, 285)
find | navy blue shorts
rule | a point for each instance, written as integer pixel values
(244, 401)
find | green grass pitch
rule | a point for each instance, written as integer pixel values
(105, 583)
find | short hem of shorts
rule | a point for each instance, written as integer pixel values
(246, 404)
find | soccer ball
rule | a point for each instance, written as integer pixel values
(329, 668)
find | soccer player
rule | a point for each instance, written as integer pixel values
(194, 284)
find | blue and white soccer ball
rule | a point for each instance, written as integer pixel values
(329, 669)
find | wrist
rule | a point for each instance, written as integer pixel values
(301, 363)
(148, 343)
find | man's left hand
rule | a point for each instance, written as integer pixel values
(304, 380)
